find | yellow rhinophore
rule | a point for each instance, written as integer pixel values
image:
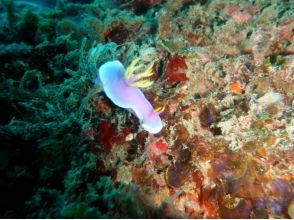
(137, 80)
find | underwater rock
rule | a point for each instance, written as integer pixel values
(290, 131)
(269, 99)
(180, 152)
(177, 174)
(198, 178)
(182, 133)
(291, 210)
(175, 70)
(106, 133)
(208, 115)
(223, 72)
(235, 208)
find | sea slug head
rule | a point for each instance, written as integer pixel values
(110, 72)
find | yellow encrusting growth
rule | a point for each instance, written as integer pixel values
(159, 109)
(137, 80)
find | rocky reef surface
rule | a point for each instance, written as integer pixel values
(223, 73)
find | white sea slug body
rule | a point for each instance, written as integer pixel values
(122, 91)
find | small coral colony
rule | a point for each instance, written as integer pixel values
(150, 109)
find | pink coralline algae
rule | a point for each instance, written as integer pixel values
(161, 146)
(241, 17)
(241, 14)
(157, 147)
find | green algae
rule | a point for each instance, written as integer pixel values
(52, 108)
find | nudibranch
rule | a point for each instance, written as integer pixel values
(121, 87)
